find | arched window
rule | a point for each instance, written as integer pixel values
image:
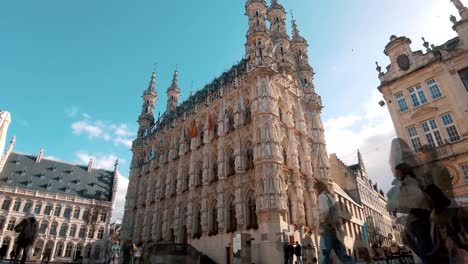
(250, 158)
(27, 206)
(59, 250)
(213, 219)
(77, 254)
(306, 213)
(53, 229)
(280, 112)
(231, 164)
(232, 222)
(198, 226)
(63, 230)
(215, 169)
(69, 250)
(252, 214)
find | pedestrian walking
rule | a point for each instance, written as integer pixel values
(298, 253)
(329, 226)
(27, 230)
(290, 253)
(46, 255)
(286, 253)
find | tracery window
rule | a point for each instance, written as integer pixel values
(213, 219)
(232, 222)
(231, 164)
(252, 214)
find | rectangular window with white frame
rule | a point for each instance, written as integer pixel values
(464, 170)
(434, 89)
(450, 127)
(432, 133)
(417, 95)
(401, 101)
(414, 138)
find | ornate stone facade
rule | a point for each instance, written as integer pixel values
(242, 154)
(427, 94)
(72, 203)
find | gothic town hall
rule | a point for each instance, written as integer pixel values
(240, 155)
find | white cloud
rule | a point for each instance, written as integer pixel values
(119, 202)
(119, 134)
(92, 130)
(371, 133)
(100, 161)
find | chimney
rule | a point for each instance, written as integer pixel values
(90, 165)
(39, 156)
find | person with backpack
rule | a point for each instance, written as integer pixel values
(329, 226)
(27, 230)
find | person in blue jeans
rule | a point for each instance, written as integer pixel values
(329, 226)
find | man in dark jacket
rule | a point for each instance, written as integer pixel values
(27, 230)
(290, 253)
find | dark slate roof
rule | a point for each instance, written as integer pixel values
(52, 176)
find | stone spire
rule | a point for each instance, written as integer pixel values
(277, 17)
(173, 93)
(297, 38)
(150, 97)
(362, 167)
(461, 8)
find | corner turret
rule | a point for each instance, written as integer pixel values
(146, 118)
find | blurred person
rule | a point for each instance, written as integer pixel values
(411, 194)
(286, 253)
(329, 225)
(126, 251)
(290, 253)
(298, 253)
(27, 230)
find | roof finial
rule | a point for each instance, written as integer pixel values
(379, 69)
(453, 19)
(90, 165)
(426, 44)
(39, 156)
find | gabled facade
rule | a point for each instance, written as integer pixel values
(427, 93)
(355, 181)
(240, 155)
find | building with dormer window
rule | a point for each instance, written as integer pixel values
(72, 203)
(427, 96)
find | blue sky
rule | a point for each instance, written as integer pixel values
(72, 72)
